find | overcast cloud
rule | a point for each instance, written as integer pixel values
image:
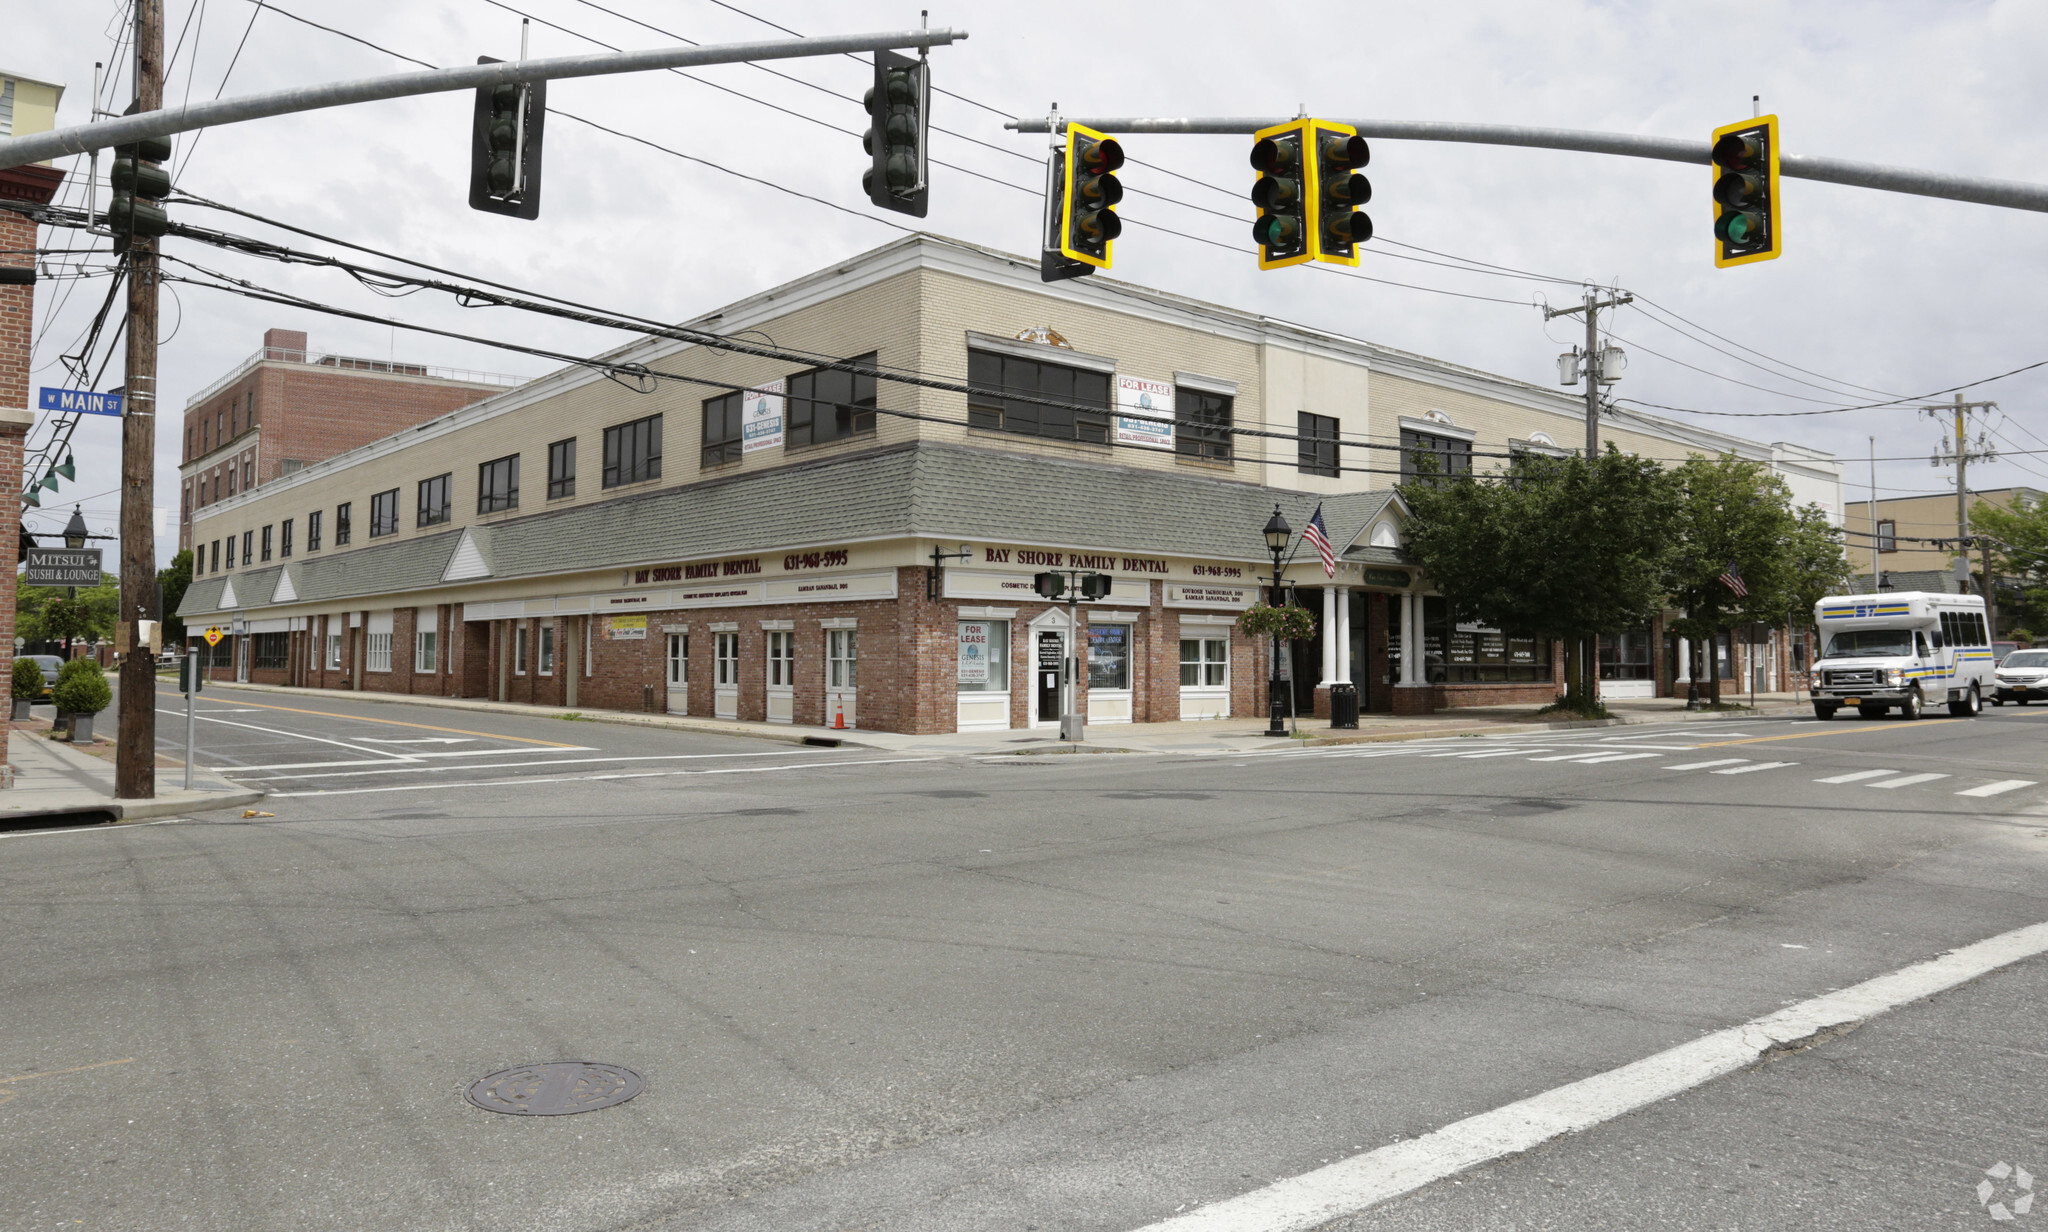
(1900, 294)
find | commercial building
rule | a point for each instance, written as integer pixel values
(776, 538)
(1891, 545)
(284, 408)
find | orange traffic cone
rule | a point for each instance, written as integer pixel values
(839, 720)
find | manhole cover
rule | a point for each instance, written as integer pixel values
(557, 1088)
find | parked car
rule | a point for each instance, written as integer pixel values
(50, 664)
(2022, 677)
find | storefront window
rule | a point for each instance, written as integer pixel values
(1463, 653)
(781, 659)
(678, 660)
(547, 648)
(1109, 656)
(984, 656)
(1204, 662)
(840, 656)
(1625, 656)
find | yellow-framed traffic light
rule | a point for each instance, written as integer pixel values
(1747, 223)
(1335, 191)
(1282, 157)
(1089, 193)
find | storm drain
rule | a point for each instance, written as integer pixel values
(557, 1088)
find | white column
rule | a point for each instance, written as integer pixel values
(1684, 662)
(1329, 635)
(1343, 675)
(1411, 635)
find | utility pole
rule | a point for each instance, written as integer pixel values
(1599, 369)
(1871, 508)
(135, 746)
(1962, 454)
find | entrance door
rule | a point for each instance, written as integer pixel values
(679, 673)
(725, 689)
(781, 676)
(242, 645)
(1045, 676)
(841, 655)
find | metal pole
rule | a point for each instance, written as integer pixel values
(135, 750)
(15, 151)
(190, 669)
(1962, 470)
(2010, 194)
(1872, 507)
(1071, 727)
(1589, 646)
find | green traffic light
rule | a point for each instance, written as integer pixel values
(1739, 227)
(1276, 230)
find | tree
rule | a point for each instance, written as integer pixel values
(2019, 550)
(173, 582)
(1735, 515)
(52, 614)
(1556, 548)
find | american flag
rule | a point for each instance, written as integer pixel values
(1315, 534)
(1732, 579)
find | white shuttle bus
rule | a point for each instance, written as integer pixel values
(1903, 648)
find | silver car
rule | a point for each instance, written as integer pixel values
(2022, 677)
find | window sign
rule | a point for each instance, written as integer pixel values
(1144, 412)
(761, 417)
(1109, 656)
(625, 628)
(974, 642)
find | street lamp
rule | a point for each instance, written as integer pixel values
(74, 530)
(1278, 533)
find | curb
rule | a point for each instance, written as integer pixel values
(198, 801)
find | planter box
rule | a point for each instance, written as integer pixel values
(81, 729)
(21, 708)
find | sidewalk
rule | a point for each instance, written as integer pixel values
(1213, 735)
(52, 779)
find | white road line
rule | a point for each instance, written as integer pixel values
(272, 731)
(1907, 781)
(1485, 752)
(1607, 757)
(590, 778)
(266, 772)
(1362, 1181)
(1999, 788)
(1762, 765)
(109, 827)
(1857, 777)
(1568, 756)
(1701, 765)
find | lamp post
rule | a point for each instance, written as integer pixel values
(1278, 532)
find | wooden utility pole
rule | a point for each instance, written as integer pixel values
(135, 746)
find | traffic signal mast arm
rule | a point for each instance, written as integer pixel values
(2008, 194)
(79, 139)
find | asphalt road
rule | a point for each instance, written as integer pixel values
(1042, 992)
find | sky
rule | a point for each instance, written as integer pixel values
(1876, 291)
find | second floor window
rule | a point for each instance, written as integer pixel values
(1316, 449)
(384, 514)
(266, 543)
(284, 538)
(343, 513)
(632, 452)
(1076, 406)
(1448, 455)
(248, 548)
(722, 429)
(1887, 536)
(1201, 424)
(313, 531)
(497, 485)
(827, 405)
(562, 469)
(434, 507)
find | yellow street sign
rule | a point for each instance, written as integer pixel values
(213, 635)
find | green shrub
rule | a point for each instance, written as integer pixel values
(82, 688)
(28, 680)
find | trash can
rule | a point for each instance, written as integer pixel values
(1344, 705)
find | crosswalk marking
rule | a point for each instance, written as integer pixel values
(1594, 761)
(1999, 788)
(1908, 780)
(1857, 777)
(1762, 765)
(1701, 765)
(1567, 756)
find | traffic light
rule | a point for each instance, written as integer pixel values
(140, 183)
(1095, 585)
(1746, 192)
(1089, 192)
(1049, 585)
(1281, 193)
(504, 147)
(900, 107)
(1337, 191)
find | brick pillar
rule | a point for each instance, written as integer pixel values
(17, 415)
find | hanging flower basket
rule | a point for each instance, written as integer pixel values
(1293, 622)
